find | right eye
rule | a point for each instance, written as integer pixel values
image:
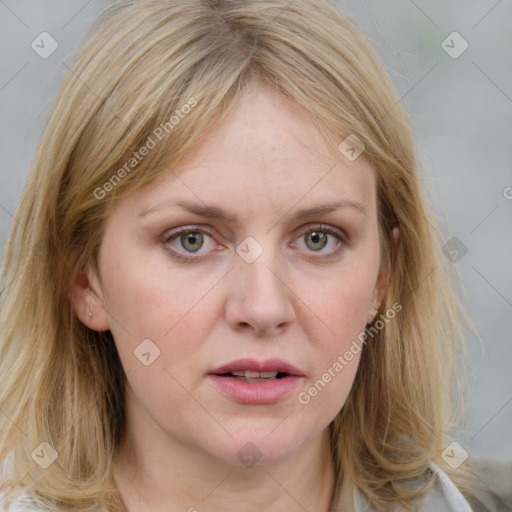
(191, 240)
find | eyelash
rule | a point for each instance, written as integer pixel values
(185, 230)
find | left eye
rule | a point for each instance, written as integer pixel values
(319, 238)
(192, 240)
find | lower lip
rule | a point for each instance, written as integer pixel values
(256, 392)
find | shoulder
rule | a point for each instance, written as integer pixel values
(19, 500)
(15, 500)
(444, 496)
(11, 501)
(22, 503)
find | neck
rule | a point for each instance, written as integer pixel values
(155, 472)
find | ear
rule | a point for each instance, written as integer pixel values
(87, 300)
(384, 278)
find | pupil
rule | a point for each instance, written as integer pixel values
(318, 237)
(192, 238)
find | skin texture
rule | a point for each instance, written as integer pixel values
(301, 300)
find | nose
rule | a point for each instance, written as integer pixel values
(259, 298)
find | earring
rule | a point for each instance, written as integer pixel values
(90, 313)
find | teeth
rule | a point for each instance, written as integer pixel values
(249, 374)
(266, 375)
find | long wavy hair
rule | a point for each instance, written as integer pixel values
(63, 383)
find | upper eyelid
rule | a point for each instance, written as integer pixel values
(171, 233)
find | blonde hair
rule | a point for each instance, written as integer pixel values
(144, 60)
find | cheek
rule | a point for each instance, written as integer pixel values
(338, 306)
(148, 298)
(335, 320)
(170, 314)
(146, 293)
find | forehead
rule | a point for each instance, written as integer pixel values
(267, 155)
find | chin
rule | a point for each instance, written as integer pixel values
(249, 448)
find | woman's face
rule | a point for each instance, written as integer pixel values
(263, 282)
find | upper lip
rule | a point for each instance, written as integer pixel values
(269, 365)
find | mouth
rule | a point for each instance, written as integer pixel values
(248, 381)
(251, 376)
(252, 370)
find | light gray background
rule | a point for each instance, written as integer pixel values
(461, 112)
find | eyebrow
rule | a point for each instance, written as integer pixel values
(215, 212)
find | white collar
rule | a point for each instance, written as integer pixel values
(444, 496)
